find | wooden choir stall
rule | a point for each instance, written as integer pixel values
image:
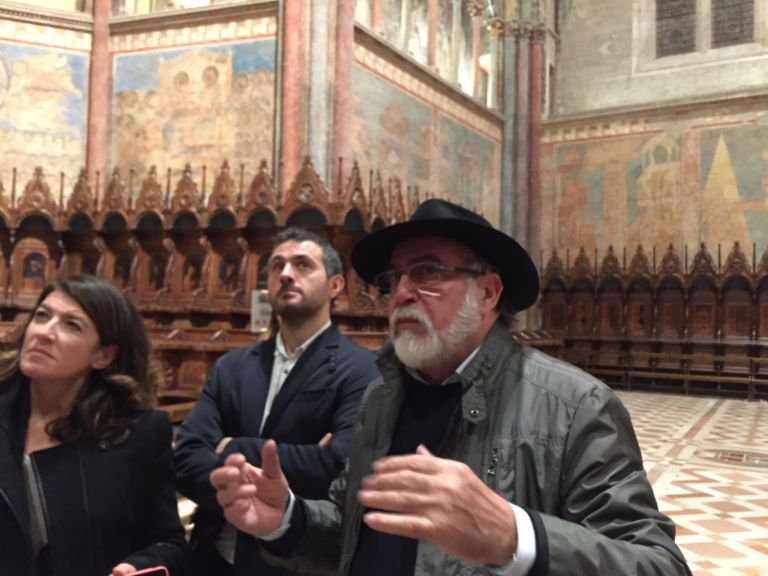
(701, 328)
(191, 257)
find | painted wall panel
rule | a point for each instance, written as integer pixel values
(662, 181)
(422, 143)
(200, 104)
(43, 94)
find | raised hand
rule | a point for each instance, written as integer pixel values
(253, 499)
(122, 569)
(442, 501)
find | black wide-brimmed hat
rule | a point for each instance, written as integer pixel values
(372, 254)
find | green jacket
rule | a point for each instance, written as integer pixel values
(543, 434)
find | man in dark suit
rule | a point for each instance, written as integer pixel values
(301, 387)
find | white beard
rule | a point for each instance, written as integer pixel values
(423, 352)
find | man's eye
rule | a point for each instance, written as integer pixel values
(40, 315)
(428, 270)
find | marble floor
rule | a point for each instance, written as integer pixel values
(708, 461)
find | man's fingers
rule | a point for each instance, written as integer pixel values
(221, 477)
(325, 440)
(423, 463)
(399, 524)
(403, 480)
(232, 493)
(270, 461)
(394, 500)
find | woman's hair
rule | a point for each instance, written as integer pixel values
(113, 397)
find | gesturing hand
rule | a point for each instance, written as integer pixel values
(442, 501)
(253, 499)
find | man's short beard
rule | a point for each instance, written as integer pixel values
(420, 352)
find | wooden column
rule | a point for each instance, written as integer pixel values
(292, 111)
(99, 93)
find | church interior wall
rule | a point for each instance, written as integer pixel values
(197, 94)
(43, 99)
(676, 176)
(409, 124)
(607, 59)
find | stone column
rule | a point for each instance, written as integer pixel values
(474, 74)
(319, 71)
(376, 15)
(509, 106)
(453, 73)
(522, 142)
(99, 93)
(534, 156)
(432, 43)
(292, 143)
(342, 88)
(496, 31)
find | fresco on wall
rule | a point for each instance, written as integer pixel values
(403, 136)
(617, 192)
(391, 18)
(43, 97)
(734, 180)
(443, 39)
(391, 130)
(199, 105)
(682, 185)
(417, 30)
(469, 167)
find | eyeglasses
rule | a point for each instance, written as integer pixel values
(422, 275)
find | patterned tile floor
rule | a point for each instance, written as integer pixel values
(708, 461)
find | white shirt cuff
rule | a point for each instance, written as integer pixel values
(525, 555)
(284, 524)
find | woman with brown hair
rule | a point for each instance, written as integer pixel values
(86, 471)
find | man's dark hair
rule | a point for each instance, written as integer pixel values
(331, 260)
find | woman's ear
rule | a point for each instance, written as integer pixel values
(104, 357)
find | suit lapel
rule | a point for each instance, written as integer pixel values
(254, 393)
(312, 360)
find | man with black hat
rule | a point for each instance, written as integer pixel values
(472, 455)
